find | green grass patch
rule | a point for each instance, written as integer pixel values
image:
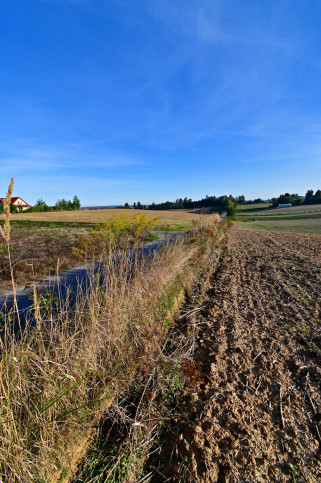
(151, 237)
(174, 227)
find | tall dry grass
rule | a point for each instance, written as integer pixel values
(5, 232)
(57, 377)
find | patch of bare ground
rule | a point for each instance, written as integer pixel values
(36, 253)
(256, 414)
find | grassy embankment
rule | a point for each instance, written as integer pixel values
(295, 219)
(60, 377)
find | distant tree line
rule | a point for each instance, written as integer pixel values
(221, 203)
(309, 199)
(285, 198)
(61, 205)
(68, 205)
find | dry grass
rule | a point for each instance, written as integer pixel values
(36, 250)
(178, 217)
(57, 377)
(35, 253)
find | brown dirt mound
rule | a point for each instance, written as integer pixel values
(256, 417)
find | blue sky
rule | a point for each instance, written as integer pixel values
(122, 100)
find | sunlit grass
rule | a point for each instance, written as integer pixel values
(59, 375)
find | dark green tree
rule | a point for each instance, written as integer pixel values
(67, 205)
(230, 209)
(61, 205)
(309, 196)
(76, 203)
(41, 202)
(286, 198)
(39, 206)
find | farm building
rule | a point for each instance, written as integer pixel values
(285, 205)
(18, 202)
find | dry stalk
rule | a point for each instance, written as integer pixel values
(315, 412)
(281, 402)
(5, 232)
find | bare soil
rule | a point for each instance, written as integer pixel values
(255, 415)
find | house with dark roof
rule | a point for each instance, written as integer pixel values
(18, 202)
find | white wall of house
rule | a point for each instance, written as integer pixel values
(20, 204)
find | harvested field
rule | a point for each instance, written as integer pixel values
(292, 210)
(255, 416)
(171, 217)
(253, 206)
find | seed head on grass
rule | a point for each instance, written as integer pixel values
(5, 231)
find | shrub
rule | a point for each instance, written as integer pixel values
(117, 234)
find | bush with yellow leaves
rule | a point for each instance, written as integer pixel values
(118, 234)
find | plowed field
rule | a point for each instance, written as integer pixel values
(256, 415)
